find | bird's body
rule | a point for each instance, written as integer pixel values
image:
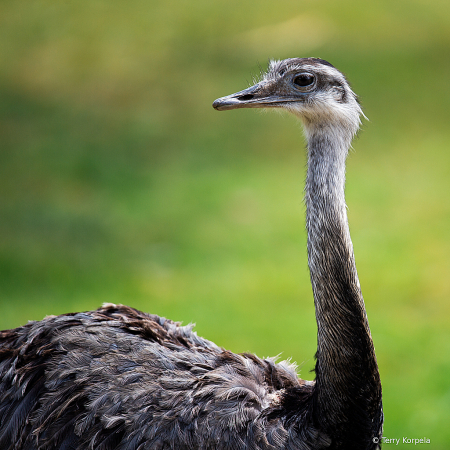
(119, 379)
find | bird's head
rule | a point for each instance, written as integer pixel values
(310, 88)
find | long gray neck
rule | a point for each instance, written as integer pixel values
(348, 388)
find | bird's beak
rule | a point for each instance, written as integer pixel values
(257, 96)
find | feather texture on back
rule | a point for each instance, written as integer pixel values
(117, 378)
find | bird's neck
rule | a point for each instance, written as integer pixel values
(347, 381)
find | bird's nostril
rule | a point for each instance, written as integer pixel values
(245, 97)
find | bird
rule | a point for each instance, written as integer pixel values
(116, 378)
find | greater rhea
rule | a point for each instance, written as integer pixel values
(117, 378)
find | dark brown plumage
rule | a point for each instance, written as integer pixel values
(119, 378)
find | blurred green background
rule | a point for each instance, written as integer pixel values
(120, 183)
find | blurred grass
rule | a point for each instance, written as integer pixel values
(119, 182)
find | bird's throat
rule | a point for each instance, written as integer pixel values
(346, 367)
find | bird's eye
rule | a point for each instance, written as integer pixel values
(303, 80)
